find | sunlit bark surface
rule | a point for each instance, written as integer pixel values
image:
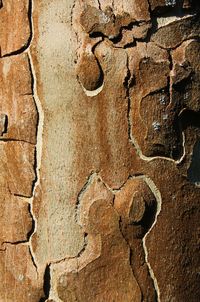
(100, 151)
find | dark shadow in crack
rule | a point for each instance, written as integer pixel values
(193, 172)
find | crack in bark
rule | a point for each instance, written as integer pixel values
(72, 13)
(128, 84)
(131, 137)
(151, 184)
(46, 283)
(130, 255)
(39, 110)
(38, 149)
(2, 139)
(37, 156)
(84, 188)
(99, 3)
(119, 36)
(5, 243)
(170, 87)
(28, 42)
(157, 194)
(47, 275)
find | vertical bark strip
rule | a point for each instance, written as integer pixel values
(20, 120)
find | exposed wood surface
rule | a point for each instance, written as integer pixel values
(100, 150)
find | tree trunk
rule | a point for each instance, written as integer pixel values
(100, 151)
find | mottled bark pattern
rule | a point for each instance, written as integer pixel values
(100, 144)
(19, 280)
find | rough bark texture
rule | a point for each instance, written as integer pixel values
(100, 150)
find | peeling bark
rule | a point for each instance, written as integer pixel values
(99, 144)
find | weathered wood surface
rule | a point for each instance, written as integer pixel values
(99, 144)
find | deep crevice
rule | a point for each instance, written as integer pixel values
(193, 173)
(30, 234)
(176, 10)
(46, 284)
(189, 118)
(35, 169)
(99, 3)
(33, 224)
(128, 84)
(33, 260)
(14, 242)
(117, 38)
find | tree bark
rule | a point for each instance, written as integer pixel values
(100, 150)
